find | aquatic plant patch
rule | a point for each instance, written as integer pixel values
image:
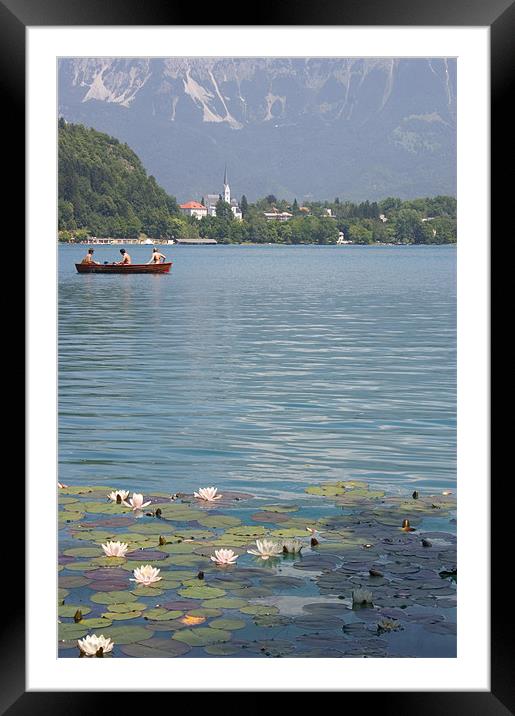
(346, 572)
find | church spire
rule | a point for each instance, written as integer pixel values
(227, 189)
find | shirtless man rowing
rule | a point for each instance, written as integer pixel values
(126, 259)
(156, 257)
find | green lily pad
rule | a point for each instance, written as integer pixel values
(280, 508)
(110, 597)
(121, 616)
(222, 649)
(259, 609)
(156, 648)
(127, 606)
(246, 531)
(201, 636)
(70, 630)
(69, 610)
(205, 612)
(105, 561)
(127, 634)
(225, 603)
(96, 622)
(228, 624)
(178, 547)
(201, 592)
(219, 521)
(62, 594)
(72, 581)
(160, 614)
(82, 552)
(142, 591)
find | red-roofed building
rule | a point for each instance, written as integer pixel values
(194, 208)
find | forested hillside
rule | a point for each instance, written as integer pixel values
(104, 188)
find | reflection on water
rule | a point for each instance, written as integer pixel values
(262, 368)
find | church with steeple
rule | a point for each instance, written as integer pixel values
(212, 199)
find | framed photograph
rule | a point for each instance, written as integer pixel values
(269, 422)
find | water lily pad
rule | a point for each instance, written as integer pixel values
(259, 609)
(205, 612)
(225, 603)
(201, 592)
(141, 591)
(280, 508)
(127, 634)
(110, 597)
(160, 614)
(127, 606)
(246, 531)
(122, 616)
(96, 622)
(145, 555)
(178, 548)
(201, 636)
(156, 648)
(69, 610)
(228, 624)
(82, 551)
(273, 517)
(72, 581)
(223, 649)
(219, 521)
(71, 630)
(107, 585)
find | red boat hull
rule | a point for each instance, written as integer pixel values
(125, 268)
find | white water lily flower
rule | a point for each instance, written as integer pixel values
(92, 643)
(312, 531)
(292, 546)
(118, 495)
(361, 596)
(136, 502)
(266, 548)
(146, 574)
(61, 485)
(115, 549)
(224, 556)
(208, 494)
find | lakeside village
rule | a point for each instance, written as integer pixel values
(106, 196)
(220, 218)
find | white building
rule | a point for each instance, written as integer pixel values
(277, 215)
(212, 199)
(193, 208)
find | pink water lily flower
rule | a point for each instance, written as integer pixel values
(224, 556)
(91, 644)
(146, 575)
(118, 495)
(266, 549)
(208, 494)
(136, 502)
(115, 549)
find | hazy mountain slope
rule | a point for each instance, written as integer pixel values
(293, 127)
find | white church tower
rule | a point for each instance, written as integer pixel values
(227, 188)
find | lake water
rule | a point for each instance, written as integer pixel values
(260, 368)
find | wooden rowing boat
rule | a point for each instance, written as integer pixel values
(124, 268)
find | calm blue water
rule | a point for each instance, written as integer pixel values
(259, 368)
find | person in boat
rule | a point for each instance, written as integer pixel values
(88, 259)
(126, 259)
(156, 257)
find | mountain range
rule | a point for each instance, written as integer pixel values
(306, 128)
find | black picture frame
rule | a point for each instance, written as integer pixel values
(499, 16)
